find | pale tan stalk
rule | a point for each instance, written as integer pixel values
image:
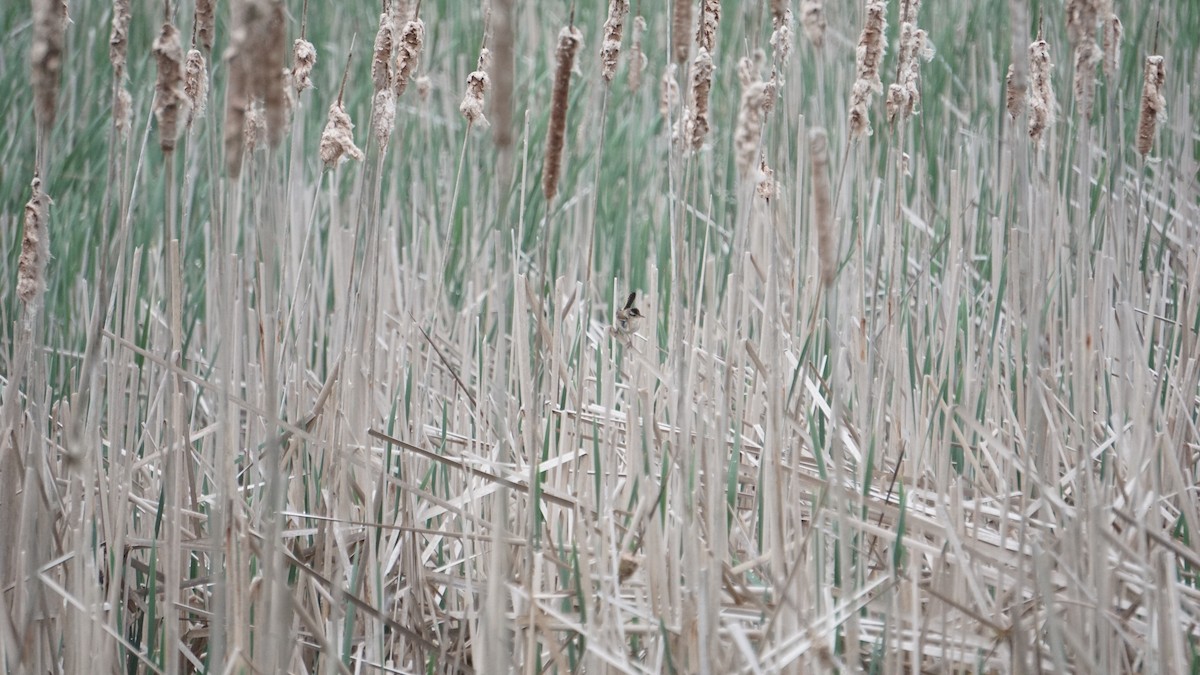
(868, 57)
(195, 83)
(1153, 102)
(681, 27)
(171, 104)
(637, 58)
(1042, 105)
(610, 47)
(473, 101)
(818, 150)
(35, 245)
(569, 41)
(812, 17)
(46, 58)
(408, 53)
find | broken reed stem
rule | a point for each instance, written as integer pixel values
(171, 104)
(818, 150)
(569, 40)
(868, 57)
(1042, 106)
(610, 47)
(46, 59)
(1153, 102)
(681, 27)
(35, 245)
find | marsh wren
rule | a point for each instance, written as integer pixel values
(627, 321)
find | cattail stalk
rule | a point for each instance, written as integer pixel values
(818, 151)
(1042, 106)
(171, 104)
(408, 54)
(46, 57)
(35, 245)
(1153, 102)
(569, 41)
(637, 58)
(473, 102)
(610, 47)
(812, 17)
(681, 27)
(868, 57)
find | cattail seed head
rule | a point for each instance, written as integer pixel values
(1113, 32)
(868, 57)
(766, 186)
(1153, 102)
(205, 19)
(381, 61)
(46, 57)
(610, 48)
(812, 17)
(500, 105)
(35, 245)
(710, 18)
(781, 36)
(304, 57)
(477, 84)
(118, 40)
(1042, 105)
(637, 58)
(270, 41)
(1081, 20)
(757, 99)
(337, 140)
(123, 112)
(904, 96)
(668, 100)
(383, 115)
(818, 151)
(171, 104)
(424, 87)
(195, 83)
(1087, 57)
(1014, 91)
(569, 41)
(681, 26)
(408, 54)
(693, 126)
(254, 130)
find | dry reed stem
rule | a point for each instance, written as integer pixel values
(195, 83)
(473, 102)
(205, 19)
(171, 105)
(304, 57)
(637, 58)
(693, 127)
(818, 150)
(782, 37)
(35, 245)
(408, 54)
(1153, 102)
(381, 60)
(868, 57)
(757, 98)
(46, 57)
(337, 140)
(569, 41)
(1087, 57)
(1042, 106)
(610, 47)
(681, 27)
(812, 17)
(118, 40)
(1113, 32)
(668, 100)
(710, 18)
(1014, 92)
(500, 104)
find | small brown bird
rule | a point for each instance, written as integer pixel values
(627, 320)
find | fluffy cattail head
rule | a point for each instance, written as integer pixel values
(270, 40)
(757, 98)
(818, 152)
(1014, 91)
(46, 57)
(1113, 32)
(205, 21)
(381, 61)
(710, 18)
(337, 140)
(869, 56)
(781, 36)
(637, 58)
(1153, 102)
(610, 48)
(668, 100)
(304, 57)
(693, 127)
(500, 105)
(812, 17)
(35, 245)
(1042, 105)
(118, 39)
(569, 41)
(171, 104)
(477, 84)
(681, 27)
(408, 53)
(383, 115)
(1087, 57)
(195, 83)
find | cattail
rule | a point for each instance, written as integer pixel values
(35, 245)
(569, 41)
(170, 100)
(304, 57)
(818, 151)
(668, 100)
(118, 40)
(868, 57)
(1042, 106)
(477, 83)
(812, 17)
(904, 96)
(637, 58)
(123, 112)
(412, 38)
(269, 41)
(1153, 102)
(693, 126)
(681, 26)
(46, 57)
(254, 131)
(1081, 20)
(195, 83)
(424, 86)
(205, 19)
(710, 17)
(781, 36)
(500, 105)
(610, 48)
(401, 13)
(1087, 57)
(757, 98)
(766, 188)
(383, 115)
(1014, 91)
(381, 61)
(337, 140)
(1113, 31)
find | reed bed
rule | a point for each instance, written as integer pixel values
(907, 392)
